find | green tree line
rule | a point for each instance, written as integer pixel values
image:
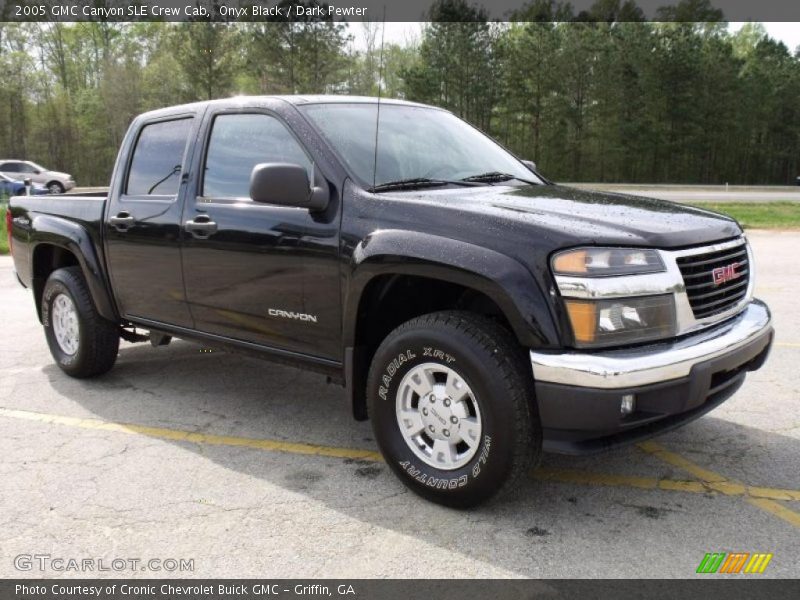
(599, 96)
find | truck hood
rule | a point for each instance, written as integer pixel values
(562, 216)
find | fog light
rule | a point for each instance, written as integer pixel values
(628, 404)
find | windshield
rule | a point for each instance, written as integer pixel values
(414, 142)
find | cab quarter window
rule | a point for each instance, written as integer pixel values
(240, 142)
(156, 163)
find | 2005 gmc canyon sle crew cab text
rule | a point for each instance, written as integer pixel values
(475, 312)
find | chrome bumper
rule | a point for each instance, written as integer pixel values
(654, 363)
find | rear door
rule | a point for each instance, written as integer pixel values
(142, 223)
(256, 272)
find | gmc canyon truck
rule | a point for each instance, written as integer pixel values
(475, 312)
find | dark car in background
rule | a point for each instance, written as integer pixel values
(12, 187)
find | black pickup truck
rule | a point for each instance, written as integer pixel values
(477, 313)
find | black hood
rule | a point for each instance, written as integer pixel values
(561, 216)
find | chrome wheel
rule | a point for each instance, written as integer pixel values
(438, 416)
(65, 323)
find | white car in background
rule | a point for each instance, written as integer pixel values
(55, 181)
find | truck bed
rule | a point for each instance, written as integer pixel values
(86, 211)
(100, 192)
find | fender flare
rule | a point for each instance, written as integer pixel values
(54, 231)
(502, 278)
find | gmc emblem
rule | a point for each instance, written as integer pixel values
(726, 273)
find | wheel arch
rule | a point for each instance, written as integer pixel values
(59, 243)
(453, 274)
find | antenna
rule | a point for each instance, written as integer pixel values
(378, 117)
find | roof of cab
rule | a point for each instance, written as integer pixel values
(296, 100)
(343, 99)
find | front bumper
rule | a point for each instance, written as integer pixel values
(674, 382)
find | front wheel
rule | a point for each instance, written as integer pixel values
(83, 343)
(54, 187)
(451, 403)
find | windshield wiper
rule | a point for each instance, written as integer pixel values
(496, 177)
(419, 182)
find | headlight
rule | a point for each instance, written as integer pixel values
(615, 296)
(606, 262)
(617, 321)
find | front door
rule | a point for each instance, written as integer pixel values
(255, 272)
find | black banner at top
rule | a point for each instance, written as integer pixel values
(405, 10)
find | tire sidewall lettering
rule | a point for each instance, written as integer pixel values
(449, 483)
(483, 456)
(430, 351)
(440, 483)
(403, 357)
(391, 370)
(395, 368)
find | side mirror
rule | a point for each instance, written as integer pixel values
(37, 172)
(530, 164)
(286, 184)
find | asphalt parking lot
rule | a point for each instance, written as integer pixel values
(256, 470)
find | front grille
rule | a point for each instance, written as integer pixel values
(705, 296)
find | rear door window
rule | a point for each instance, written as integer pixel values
(158, 158)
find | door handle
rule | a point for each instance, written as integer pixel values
(201, 227)
(122, 222)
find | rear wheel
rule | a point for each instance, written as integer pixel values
(451, 403)
(83, 343)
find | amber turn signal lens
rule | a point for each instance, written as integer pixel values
(583, 316)
(570, 262)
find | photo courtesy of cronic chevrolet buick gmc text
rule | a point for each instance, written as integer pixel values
(476, 313)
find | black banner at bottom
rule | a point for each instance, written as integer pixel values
(731, 588)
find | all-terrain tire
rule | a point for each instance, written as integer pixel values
(90, 345)
(444, 352)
